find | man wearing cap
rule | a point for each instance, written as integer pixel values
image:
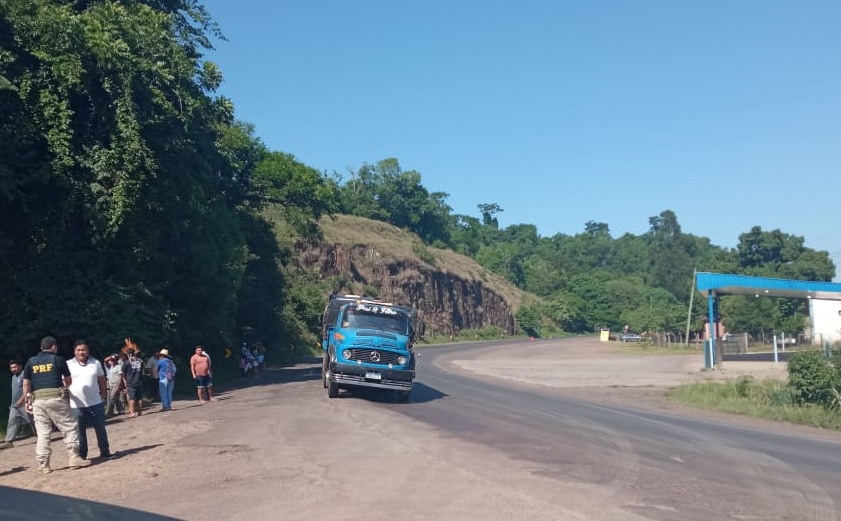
(114, 378)
(45, 381)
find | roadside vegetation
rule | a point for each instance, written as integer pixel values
(484, 334)
(811, 395)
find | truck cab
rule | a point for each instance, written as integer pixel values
(368, 343)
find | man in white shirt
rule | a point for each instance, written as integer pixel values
(87, 392)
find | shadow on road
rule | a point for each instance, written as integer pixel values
(19, 505)
(423, 394)
(13, 470)
(309, 369)
(420, 394)
(302, 370)
(134, 450)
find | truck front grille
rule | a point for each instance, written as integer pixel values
(373, 356)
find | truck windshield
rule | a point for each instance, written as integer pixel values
(358, 319)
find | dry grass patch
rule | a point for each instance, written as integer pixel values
(393, 243)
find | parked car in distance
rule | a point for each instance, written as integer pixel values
(630, 337)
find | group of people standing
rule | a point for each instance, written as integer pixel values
(251, 359)
(61, 394)
(129, 378)
(49, 392)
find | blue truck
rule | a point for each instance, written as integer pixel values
(368, 343)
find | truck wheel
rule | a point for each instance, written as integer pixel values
(403, 396)
(324, 360)
(332, 389)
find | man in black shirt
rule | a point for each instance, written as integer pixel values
(133, 383)
(45, 379)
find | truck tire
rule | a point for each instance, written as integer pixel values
(403, 396)
(324, 360)
(332, 389)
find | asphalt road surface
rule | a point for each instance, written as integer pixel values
(467, 446)
(654, 465)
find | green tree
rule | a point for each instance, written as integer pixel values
(670, 255)
(757, 248)
(243, 152)
(656, 310)
(466, 234)
(489, 211)
(114, 188)
(303, 193)
(383, 191)
(504, 259)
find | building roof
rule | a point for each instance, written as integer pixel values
(724, 284)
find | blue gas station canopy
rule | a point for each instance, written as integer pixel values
(724, 284)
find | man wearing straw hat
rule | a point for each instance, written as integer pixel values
(166, 379)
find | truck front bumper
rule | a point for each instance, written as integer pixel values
(353, 374)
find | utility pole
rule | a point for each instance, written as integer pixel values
(691, 298)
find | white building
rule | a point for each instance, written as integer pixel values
(825, 320)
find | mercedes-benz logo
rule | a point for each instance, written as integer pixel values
(375, 356)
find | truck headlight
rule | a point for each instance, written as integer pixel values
(401, 360)
(347, 354)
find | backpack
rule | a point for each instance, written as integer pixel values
(170, 370)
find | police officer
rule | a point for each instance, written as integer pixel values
(45, 379)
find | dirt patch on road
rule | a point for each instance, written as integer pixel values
(587, 363)
(607, 372)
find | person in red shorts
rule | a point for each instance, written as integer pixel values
(202, 371)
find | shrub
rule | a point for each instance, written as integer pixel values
(835, 400)
(528, 319)
(835, 360)
(813, 378)
(423, 253)
(745, 385)
(777, 394)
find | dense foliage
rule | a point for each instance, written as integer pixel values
(130, 198)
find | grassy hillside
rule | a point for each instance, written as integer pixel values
(400, 245)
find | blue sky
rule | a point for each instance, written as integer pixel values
(562, 112)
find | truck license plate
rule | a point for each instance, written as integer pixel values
(373, 376)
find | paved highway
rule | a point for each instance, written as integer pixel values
(652, 464)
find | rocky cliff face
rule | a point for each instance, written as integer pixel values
(448, 302)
